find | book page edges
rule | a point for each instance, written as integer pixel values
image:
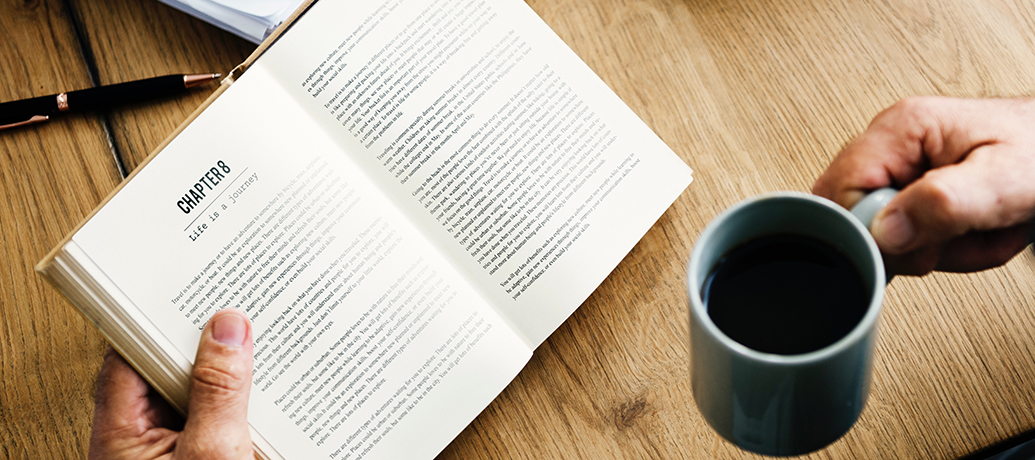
(142, 345)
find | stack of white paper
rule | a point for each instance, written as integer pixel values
(252, 20)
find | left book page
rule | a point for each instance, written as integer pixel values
(368, 344)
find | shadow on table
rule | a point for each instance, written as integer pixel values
(1020, 447)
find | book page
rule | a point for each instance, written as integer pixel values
(368, 344)
(495, 139)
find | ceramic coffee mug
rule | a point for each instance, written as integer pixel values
(785, 404)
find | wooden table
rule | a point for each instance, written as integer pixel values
(756, 95)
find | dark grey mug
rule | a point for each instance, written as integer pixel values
(785, 404)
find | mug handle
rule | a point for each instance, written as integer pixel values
(867, 208)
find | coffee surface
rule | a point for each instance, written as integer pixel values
(785, 294)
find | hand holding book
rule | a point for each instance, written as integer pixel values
(132, 422)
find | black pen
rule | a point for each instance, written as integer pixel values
(40, 109)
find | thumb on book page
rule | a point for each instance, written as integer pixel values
(217, 414)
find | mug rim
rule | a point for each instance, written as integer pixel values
(858, 333)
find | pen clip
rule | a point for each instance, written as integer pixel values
(33, 120)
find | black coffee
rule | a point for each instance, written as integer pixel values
(785, 294)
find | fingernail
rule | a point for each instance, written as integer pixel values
(894, 231)
(230, 330)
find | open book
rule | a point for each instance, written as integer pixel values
(406, 197)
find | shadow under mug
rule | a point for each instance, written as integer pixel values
(777, 404)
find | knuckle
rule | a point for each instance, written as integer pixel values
(941, 202)
(913, 116)
(217, 380)
(914, 105)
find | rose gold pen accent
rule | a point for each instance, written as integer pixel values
(62, 102)
(34, 119)
(191, 81)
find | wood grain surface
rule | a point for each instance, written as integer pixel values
(50, 177)
(755, 95)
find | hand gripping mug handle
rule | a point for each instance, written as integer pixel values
(866, 209)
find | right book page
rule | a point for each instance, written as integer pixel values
(492, 136)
